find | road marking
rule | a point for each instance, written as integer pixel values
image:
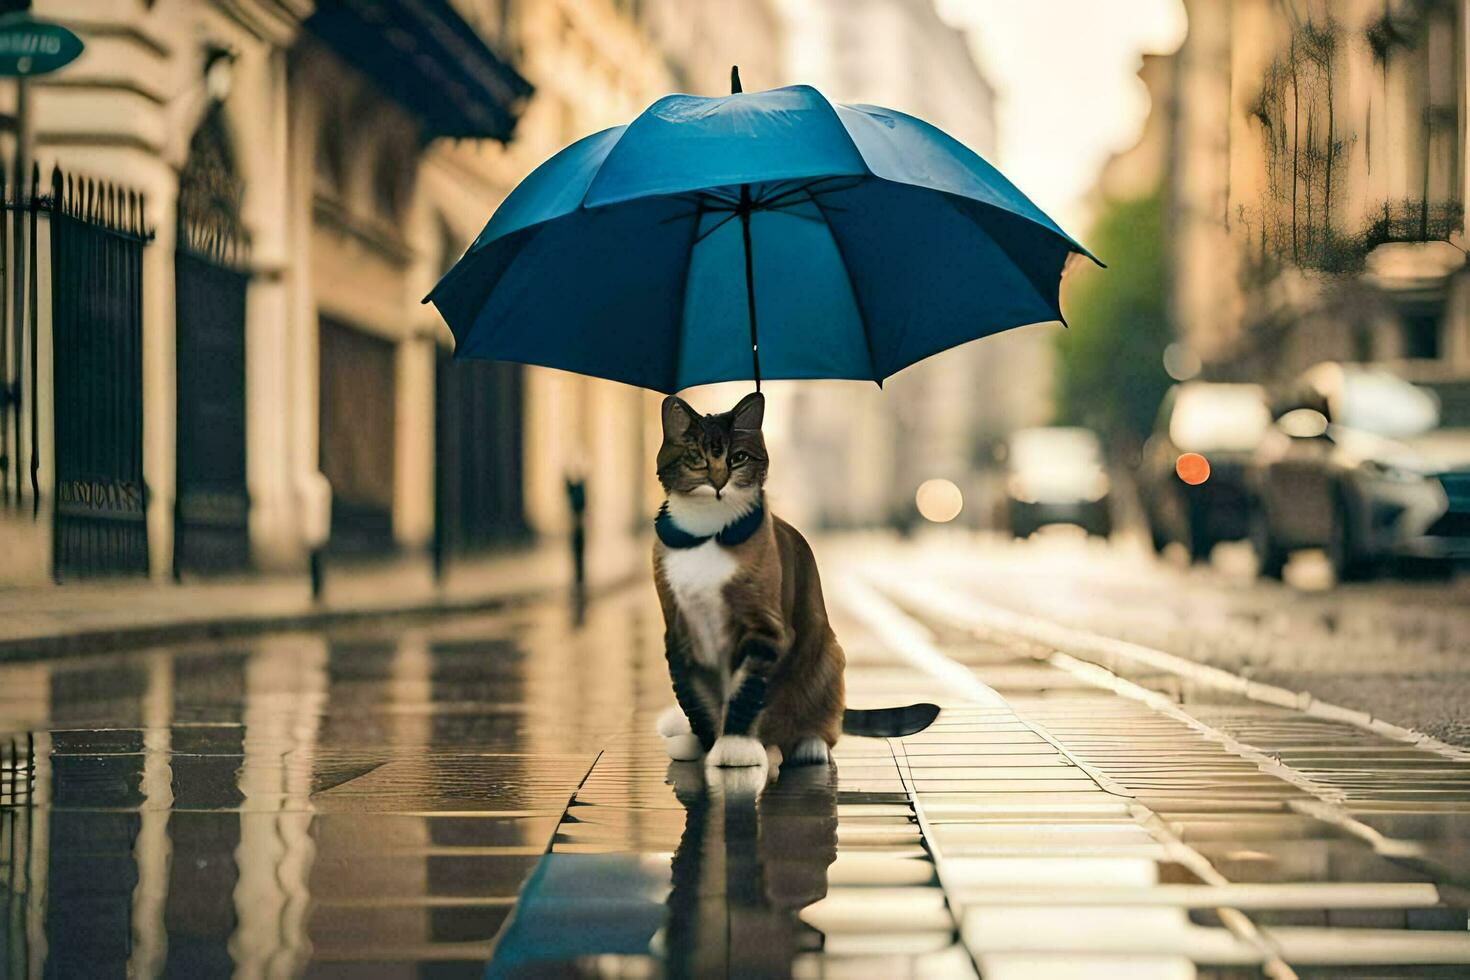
(1328, 804)
(1272, 896)
(977, 616)
(912, 641)
(1276, 946)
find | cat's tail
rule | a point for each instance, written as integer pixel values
(889, 722)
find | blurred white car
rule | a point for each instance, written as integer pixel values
(1222, 422)
(1358, 466)
(1055, 475)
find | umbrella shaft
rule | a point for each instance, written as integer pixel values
(755, 348)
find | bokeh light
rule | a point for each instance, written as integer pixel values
(1192, 468)
(1181, 363)
(939, 501)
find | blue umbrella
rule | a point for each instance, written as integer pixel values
(769, 234)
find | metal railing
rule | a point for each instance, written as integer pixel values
(97, 233)
(20, 451)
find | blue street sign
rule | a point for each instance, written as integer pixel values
(35, 47)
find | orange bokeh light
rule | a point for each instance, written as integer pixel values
(1192, 468)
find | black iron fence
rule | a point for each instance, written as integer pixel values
(20, 451)
(17, 837)
(17, 771)
(479, 454)
(97, 234)
(211, 279)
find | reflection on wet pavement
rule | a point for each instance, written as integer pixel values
(661, 867)
(486, 797)
(1255, 835)
(303, 800)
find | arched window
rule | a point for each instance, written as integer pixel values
(210, 193)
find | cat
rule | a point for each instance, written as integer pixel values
(751, 654)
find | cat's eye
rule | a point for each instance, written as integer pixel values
(738, 457)
(694, 457)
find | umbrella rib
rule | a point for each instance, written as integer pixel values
(720, 195)
(694, 241)
(714, 228)
(807, 189)
(769, 189)
(775, 201)
(697, 212)
(702, 199)
(790, 213)
(781, 189)
(857, 298)
(791, 194)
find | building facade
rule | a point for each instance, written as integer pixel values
(702, 39)
(1317, 177)
(864, 451)
(307, 172)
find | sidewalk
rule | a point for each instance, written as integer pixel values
(447, 793)
(1055, 821)
(51, 620)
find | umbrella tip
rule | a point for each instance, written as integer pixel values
(735, 88)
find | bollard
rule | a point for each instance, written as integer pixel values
(315, 496)
(577, 503)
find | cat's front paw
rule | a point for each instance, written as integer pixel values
(683, 748)
(673, 722)
(737, 752)
(738, 784)
(810, 752)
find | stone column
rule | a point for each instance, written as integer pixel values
(300, 407)
(153, 848)
(160, 363)
(260, 103)
(286, 690)
(413, 494)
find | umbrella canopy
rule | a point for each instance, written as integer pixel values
(842, 241)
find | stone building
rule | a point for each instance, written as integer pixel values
(1317, 168)
(703, 38)
(308, 171)
(864, 451)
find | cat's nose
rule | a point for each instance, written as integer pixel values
(719, 475)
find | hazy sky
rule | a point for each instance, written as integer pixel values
(1066, 74)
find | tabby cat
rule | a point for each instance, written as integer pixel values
(752, 657)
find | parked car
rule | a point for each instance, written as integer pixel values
(1055, 475)
(1224, 423)
(1358, 465)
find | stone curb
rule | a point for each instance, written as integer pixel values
(110, 639)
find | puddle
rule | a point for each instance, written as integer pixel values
(300, 800)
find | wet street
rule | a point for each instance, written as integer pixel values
(1140, 770)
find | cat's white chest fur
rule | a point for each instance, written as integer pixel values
(697, 576)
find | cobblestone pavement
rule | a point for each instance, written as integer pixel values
(484, 797)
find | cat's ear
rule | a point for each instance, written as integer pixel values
(677, 416)
(749, 412)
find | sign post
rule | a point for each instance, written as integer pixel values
(28, 47)
(35, 47)
(31, 47)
